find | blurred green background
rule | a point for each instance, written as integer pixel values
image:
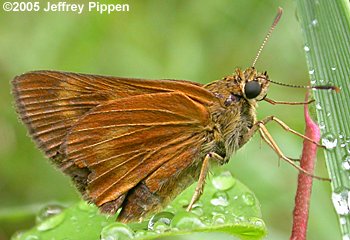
(195, 40)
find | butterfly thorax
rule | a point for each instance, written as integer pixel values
(234, 114)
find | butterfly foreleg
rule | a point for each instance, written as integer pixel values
(285, 127)
(266, 136)
(273, 102)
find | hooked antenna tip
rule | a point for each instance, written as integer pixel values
(334, 88)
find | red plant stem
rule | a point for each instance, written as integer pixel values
(303, 194)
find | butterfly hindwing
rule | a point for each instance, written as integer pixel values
(128, 140)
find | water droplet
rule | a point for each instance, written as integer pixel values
(162, 217)
(312, 71)
(31, 237)
(313, 81)
(318, 106)
(160, 227)
(257, 222)
(346, 162)
(218, 209)
(321, 125)
(348, 148)
(340, 200)
(186, 220)
(116, 231)
(342, 220)
(314, 22)
(220, 199)
(197, 209)
(306, 48)
(321, 80)
(51, 222)
(48, 211)
(333, 68)
(328, 114)
(329, 141)
(248, 199)
(218, 219)
(346, 237)
(224, 181)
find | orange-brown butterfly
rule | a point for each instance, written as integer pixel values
(135, 144)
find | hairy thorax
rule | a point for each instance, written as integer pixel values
(233, 116)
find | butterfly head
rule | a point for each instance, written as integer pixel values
(253, 85)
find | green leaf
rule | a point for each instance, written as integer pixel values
(226, 206)
(326, 31)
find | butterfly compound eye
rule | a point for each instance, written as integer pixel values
(252, 89)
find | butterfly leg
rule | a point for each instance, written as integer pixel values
(201, 181)
(273, 102)
(288, 129)
(266, 136)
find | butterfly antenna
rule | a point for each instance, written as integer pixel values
(277, 18)
(324, 87)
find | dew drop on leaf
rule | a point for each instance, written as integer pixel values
(31, 237)
(342, 220)
(51, 222)
(329, 141)
(346, 162)
(197, 209)
(340, 199)
(346, 237)
(321, 125)
(314, 22)
(48, 211)
(186, 220)
(248, 199)
(318, 106)
(223, 181)
(218, 219)
(257, 222)
(161, 218)
(116, 231)
(220, 199)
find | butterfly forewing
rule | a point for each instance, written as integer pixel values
(51, 102)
